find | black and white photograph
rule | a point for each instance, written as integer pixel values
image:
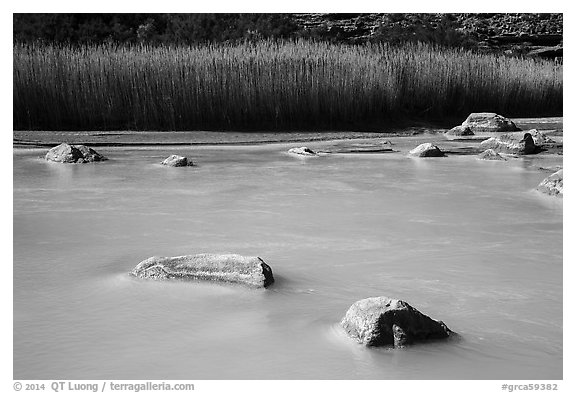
(269, 196)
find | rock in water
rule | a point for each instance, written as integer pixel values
(426, 150)
(303, 151)
(175, 160)
(489, 122)
(231, 268)
(63, 153)
(553, 184)
(511, 144)
(73, 154)
(89, 155)
(540, 138)
(490, 155)
(378, 321)
(460, 131)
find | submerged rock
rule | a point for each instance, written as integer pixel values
(426, 150)
(490, 155)
(554, 168)
(73, 154)
(460, 131)
(175, 160)
(371, 147)
(489, 122)
(511, 144)
(303, 151)
(553, 184)
(368, 147)
(233, 268)
(378, 321)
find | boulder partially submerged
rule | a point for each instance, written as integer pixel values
(553, 184)
(490, 155)
(233, 268)
(303, 151)
(426, 150)
(539, 138)
(511, 144)
(175, 160)
(460, 131)
(489, 122)
(73, 154)
(379, 321)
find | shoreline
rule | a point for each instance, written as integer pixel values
(203, 138)
(47, 139)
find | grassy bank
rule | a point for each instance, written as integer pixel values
(270, 86)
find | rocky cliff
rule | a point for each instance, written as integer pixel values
(534, 34)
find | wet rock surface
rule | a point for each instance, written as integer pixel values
(553, 185)
(426, 150)
(382, 321)
(177, 161)
(511, 144)
(489, 122)
(384, 146)
(303, 151)
(233, 268)
(554, 168)
(539, 138)
(490, 155)
(69, 154)
(460, 131)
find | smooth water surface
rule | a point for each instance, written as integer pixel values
(465, 241)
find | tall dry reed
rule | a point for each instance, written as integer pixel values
(270, 85)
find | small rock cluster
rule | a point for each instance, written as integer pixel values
(81, 154)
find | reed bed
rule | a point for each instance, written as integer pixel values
(270, 85)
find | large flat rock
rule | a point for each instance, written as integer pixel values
(369, 147)
(489, 122)
(233, 268)
(513, 143)
(379, 321)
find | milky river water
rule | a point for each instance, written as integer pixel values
(465, 241)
